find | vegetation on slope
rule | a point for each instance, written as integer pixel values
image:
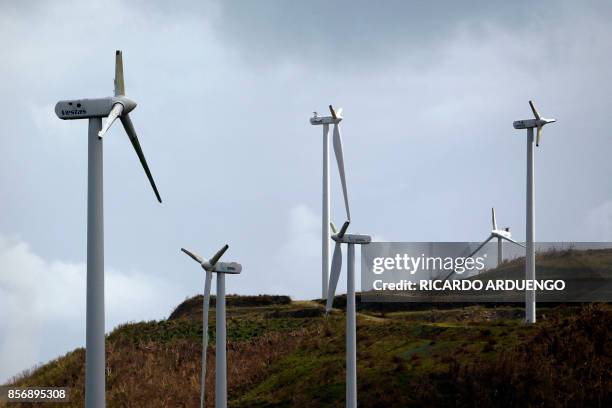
(289, 354)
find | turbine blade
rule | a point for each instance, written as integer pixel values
(218, 255)
(493, 218)
(514, 242)
(334, 276)
(129, 129)
(343, 229)
(115, 112)
(193, 256)
(534, 110)
(340, 161)
(339, 113)
(333, 112)
(470, 255)
(539, 135)
(480, 246)
(119, 84)
(333, 227)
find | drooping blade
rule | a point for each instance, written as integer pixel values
(472, 254)
(493, 218)
(534, 110)
(114, 114)
(539, 135)
(205, 309)
(193, 256)
(119, 84)
(334, 276)
(480, 246)
(129, 128)
(218, 255)
(514, 242)
(340, 161)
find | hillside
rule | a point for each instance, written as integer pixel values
(284, 353)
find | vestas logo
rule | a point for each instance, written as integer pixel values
(74, 112)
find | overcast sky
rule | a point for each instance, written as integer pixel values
(225, 91)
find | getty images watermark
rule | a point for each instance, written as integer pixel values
(467, 272)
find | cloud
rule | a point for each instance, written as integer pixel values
(42, 299)
(358, 35)
(598, 223)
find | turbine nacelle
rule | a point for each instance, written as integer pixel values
(504, 234)
(92, 108)
(532, 123)
(334, 119)
(233, 268)
(213, 265)
(344, 238)
(537, 123)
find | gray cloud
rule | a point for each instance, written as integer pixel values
(358, 35)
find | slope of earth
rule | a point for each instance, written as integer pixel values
(285, 354)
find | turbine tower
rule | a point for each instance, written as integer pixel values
(221, 269)
(341, 237)
(325, 121)
(529, 124)
(113, 107)
(501, 235)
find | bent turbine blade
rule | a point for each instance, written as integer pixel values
(193, 256)
(119, 83)
(334, 276)
(340, 161)
(129, 129)
(218, 255)
(114, 114)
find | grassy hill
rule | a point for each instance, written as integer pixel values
(284, 353)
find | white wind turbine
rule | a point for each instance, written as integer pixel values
(113, 107)
(500, 234)
(220, 268)
(334, 119)
(529, 124)
(341, 237)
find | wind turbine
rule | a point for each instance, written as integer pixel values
(341, 237)
(325, 121)
(529, 124)
(112, 107)
(500, 234)
(221, 269)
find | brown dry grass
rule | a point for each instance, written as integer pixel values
(166, 374)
